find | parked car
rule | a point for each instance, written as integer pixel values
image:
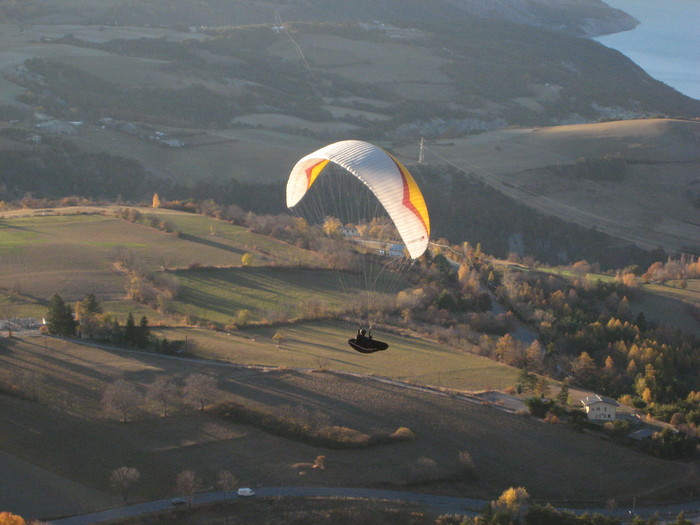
(245, 491)
(178, 501)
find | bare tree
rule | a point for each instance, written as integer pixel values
(123, 479)
(320, 463)
(163, 392)
(188, 484)
(278, 338)
(465, 464)
(121, 398)
(227, 482)
(199, 389)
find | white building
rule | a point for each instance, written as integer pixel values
(599, 408)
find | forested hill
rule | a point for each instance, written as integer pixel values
(578, 17)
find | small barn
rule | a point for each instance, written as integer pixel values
(600, 408)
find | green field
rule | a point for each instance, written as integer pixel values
(74, 254)
(324, 345)
(218, 295)
(208, 232)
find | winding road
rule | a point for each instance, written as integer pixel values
(441, 504)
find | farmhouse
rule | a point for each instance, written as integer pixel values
(600, 408)
(58, 127)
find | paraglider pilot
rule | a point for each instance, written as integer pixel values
(362, 335)
(364, 343)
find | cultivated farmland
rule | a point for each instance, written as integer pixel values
(74, 254)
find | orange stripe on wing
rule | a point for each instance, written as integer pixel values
(412, 197)
(312, 172)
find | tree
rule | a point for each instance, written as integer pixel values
(227, 482)
(525, 382)
(465, 464)
(199, 389)
(162, 391)
(247, 259)
(512, 502)
(278, 338)
(59, 317)
(508, 350)
(123, 479)
(130, 330)
(142, 333)
(584, 369)
(535, 356)
(320, 463)
(187, 484)
(156, 201)
(538, 406)
(7, 518)
(115, 332)
(331, 227)
(121, 398)
(87, 312)
(89, 306)
(563, 395)
(681, 519)
(542, 387)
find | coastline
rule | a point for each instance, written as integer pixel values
(664, 43)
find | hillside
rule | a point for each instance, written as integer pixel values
(578, 17)
(635, 180)
(74, 251)
(408, 79)
(201, 115)
(506, 448)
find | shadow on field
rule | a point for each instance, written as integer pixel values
(208, 242)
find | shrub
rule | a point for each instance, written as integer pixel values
(465, 465)
(423, 470)
(403, 434)
(539, 406)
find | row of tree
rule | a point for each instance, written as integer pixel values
(89, 321)
(124, 399)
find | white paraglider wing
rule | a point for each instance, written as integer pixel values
(383, 174)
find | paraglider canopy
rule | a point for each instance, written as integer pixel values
(383, 174)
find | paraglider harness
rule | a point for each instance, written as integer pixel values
(364, 343)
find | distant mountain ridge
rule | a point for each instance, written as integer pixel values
(578, 17)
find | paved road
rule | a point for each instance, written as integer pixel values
(441, 504)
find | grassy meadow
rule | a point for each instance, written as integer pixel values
(323, 345)
(218, 295)
(74, 254)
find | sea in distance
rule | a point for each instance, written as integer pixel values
(666, 43)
